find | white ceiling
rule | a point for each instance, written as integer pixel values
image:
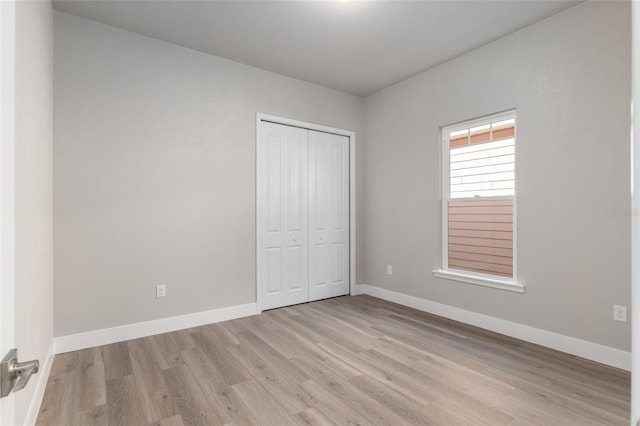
(357, 47)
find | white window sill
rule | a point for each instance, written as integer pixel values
(486, 281)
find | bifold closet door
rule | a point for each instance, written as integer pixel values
(284, 215)
(328, 215)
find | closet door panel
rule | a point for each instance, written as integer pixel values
(273, 272)
(317, 214)
(285, 274)
(328, 215)
(272, 250)
(339, 224)
(297, 215)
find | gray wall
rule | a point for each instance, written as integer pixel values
(33, 188)
(154, 173)
(569, 78)
(154, 178)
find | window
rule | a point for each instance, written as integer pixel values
(478, 203)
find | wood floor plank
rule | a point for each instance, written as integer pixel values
(287, 344)
(330, 405)
(260, 322)
(346, 360)
(169, 421)
(330, 364)
(291, 397)
(305, 333)
(123, 403)
(546, 373)
(374, 412)
(473, 383)
(412, 412)
(286, 392)
(90, 386)
(222, 335)
(353, 343)
(192, 404)
(346, 323)
(226, 365)
(453, 387)
(152, 386)
(278, 315)
(228, 407)
(314, 417)
(65, 363)
(168, 347)
(262, 405)
(79, 384)
(526, 407)
(472, 409)
(96, 416)
(431, 346)
(59, 403)
(277, 361)
(300, 347)
(403, 383)
(234, 326)
(116, 360)
(568, 401)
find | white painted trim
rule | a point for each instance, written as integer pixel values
(106, 336)
(7, 191)
(41, 385)
(352, 192)
(635, 207)
(445, 188)
(258, 212)
(352, 210)
(480, 279)
(479, 121)
(582, 348)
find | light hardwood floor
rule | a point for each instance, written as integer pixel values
(348, 360)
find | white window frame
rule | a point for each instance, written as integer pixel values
(470, 277)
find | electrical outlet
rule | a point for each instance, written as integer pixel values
(161, 290)
(620, 313)
(389, 270)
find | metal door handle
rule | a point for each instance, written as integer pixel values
(15, 375)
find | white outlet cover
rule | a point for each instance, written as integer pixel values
(161, 290)
(620, 313)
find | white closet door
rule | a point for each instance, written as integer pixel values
(328, 215)
(284, 179)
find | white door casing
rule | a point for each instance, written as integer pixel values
(285, 252)
(7, 193)
(328, 215)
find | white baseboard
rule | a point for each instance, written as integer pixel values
(106, 336)
(582, 348)
(41, 385)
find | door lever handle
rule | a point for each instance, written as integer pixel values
(15, 375)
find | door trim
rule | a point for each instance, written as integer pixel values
(260, 117)
(7, 191)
